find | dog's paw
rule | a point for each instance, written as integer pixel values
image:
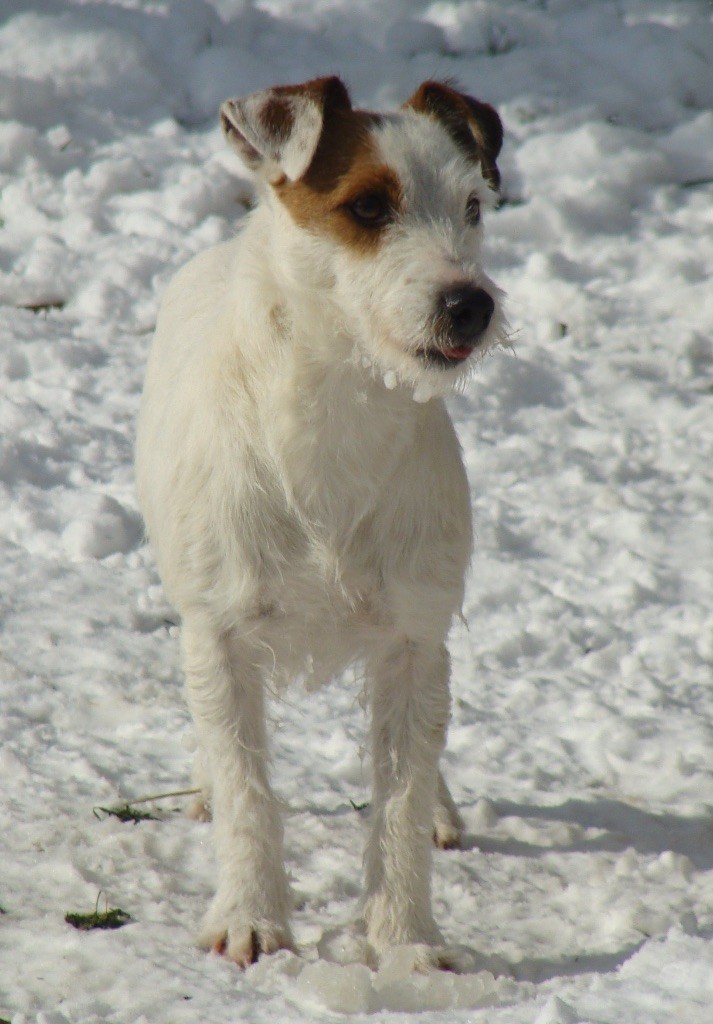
(243, 941)
(446, 835)
(199, 809)
(448, 826)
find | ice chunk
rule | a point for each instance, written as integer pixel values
(283, 963)
(343, 946)
(402, 985)
(440, 990)
(345, 989)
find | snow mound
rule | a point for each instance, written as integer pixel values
(556, 1011)
(409, 36)
(104, 528)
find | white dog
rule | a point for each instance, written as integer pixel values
(301, 481)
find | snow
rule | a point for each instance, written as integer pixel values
(581, 745)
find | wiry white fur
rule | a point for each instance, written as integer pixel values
(306, 515)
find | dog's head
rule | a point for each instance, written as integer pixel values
(383, 212)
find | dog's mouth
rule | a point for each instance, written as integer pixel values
(462, 315)
(445, 357)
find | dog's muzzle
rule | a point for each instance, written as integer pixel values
(463, 313)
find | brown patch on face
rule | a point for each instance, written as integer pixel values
(473, 125)
(346, 167)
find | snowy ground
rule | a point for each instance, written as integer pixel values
(582, 737)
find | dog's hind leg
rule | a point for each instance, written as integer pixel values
(448, 825)
(200, 807)
(249, 912)
(410, 706)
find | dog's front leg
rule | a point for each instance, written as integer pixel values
(249, 912)
(410, 707)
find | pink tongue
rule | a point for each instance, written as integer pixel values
(457, 353)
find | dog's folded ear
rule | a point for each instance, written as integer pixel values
(276, 131)
(474, 125)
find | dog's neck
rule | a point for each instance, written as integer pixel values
(335, 430)
(330, 423)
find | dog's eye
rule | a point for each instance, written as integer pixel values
(472, 209)
(372, 209)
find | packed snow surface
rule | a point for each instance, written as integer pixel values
(581, 745)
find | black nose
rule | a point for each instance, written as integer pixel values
(467, 311)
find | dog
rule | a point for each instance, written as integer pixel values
(301, 481)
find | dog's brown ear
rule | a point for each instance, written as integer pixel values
(474, 125)
(276, 131)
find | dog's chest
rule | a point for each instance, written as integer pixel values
(337, 441)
